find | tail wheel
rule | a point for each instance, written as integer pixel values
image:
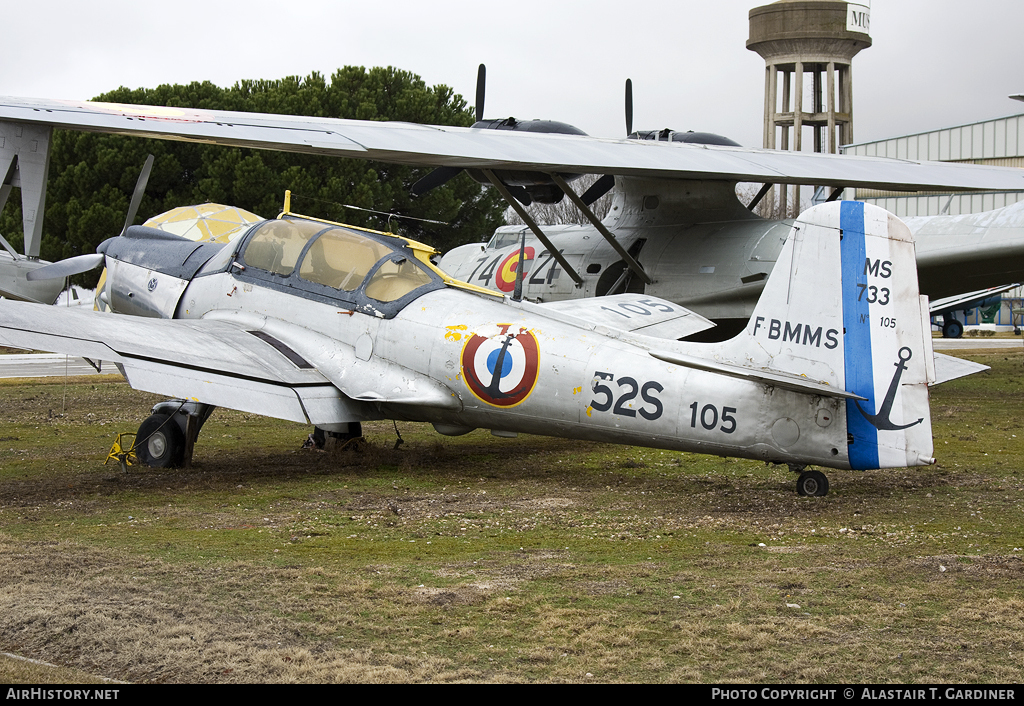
(812, 484)
(160, 443)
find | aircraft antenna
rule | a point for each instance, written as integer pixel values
(360, 208)
(517, 294)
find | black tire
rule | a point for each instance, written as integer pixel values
(952, 329)
(160, 443)
(355, 430)
(812, 484)
(318, 439)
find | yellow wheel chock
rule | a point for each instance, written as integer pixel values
(123, 453)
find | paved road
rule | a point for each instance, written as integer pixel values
(41, 365)
(952, 344)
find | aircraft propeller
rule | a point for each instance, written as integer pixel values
(83, 263)
(668, 134)
(603, 185)
(481, 81)
(629, 107)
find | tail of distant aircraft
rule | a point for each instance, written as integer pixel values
(841, 311)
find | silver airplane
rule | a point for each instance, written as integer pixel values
(695, 244)
(330, 325)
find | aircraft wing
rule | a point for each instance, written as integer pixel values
(426, 145)
(968, 300)
(230, 362)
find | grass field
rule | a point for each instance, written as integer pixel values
(486, 559)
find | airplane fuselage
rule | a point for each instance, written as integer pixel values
(464, 361)
(558, 379)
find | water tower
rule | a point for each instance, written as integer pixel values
(810, 44)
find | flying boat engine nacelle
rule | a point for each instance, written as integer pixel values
(526, 186)
(538, 185)
(694, 138)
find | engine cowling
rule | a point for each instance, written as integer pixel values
(538, 185)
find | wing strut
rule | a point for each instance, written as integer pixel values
(7, 246)
(518, 208)
(835, 194)
(631, 263)
(760, 195)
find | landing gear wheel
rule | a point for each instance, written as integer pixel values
(952, 329)
(160, 443)
(318, 439)
(812, 483)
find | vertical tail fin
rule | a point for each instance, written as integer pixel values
(842, 308)
(888, 356)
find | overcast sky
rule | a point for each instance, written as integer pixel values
(934, 63)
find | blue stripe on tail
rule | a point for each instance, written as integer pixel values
(860, 377)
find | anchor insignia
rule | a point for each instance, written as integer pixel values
(881, 420)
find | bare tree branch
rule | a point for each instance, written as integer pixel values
(564, 212)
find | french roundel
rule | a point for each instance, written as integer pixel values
(505, 279)
(501, 370)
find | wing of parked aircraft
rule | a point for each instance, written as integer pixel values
(968, 300)
(234, 366)
(484, 149)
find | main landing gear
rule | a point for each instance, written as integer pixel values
(810, 483)
(167, 436)
(325, 438)
(951, 328)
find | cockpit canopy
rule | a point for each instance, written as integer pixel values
(372, 272)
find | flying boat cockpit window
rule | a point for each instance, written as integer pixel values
(341, 259)
(503, 238)
(276, 245)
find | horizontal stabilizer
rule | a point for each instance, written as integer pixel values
(767, 377)
(636, 313)
(949, 368)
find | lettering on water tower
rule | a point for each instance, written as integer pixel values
(858, 18)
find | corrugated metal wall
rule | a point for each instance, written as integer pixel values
(991, 139)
